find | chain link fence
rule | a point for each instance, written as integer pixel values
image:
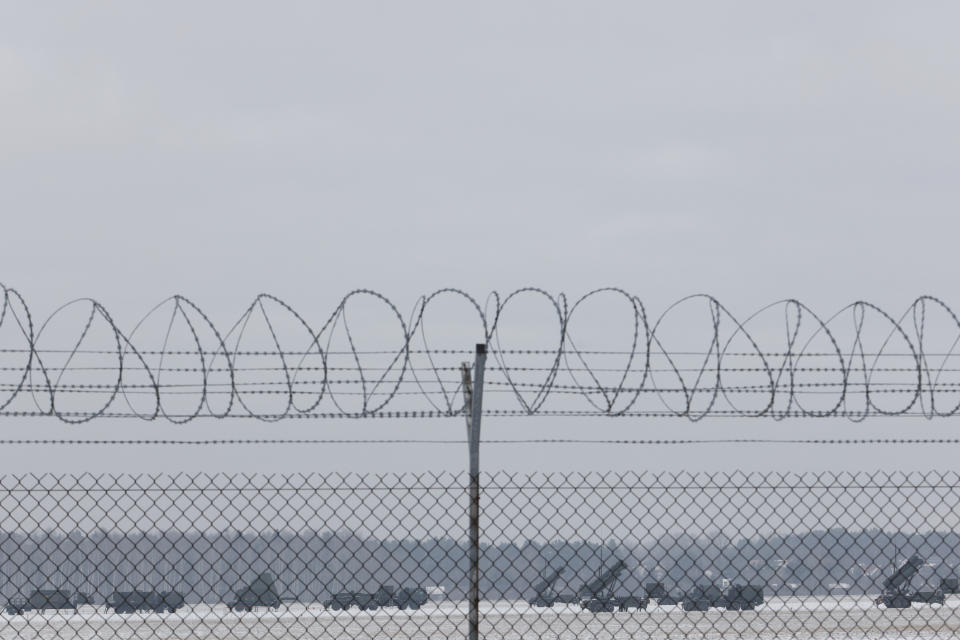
(604, 555)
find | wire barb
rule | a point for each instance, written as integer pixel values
(784, 361)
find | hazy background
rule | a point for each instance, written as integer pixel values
(748, 150)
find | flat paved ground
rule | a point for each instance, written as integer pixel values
(778, 618)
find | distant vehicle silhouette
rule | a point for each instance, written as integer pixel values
(897, 593)
(598, 594)
(545, 594)
(41, 600)
(949, 584)
(733, 597)
(262, 592)
(742, 597)
(145, 600)
(385, 596)
(411, 597)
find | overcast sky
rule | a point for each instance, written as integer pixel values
(753, 151)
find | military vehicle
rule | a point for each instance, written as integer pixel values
(702, 597)
(949, 585)
(543, 590)
(343, 600)
(262, 592)
(742, 597)
(657, 591)
(41, 600)
(897, 593)
(385, 596)
(411, 597)
(362, 600)
(733, 597)
(145, 600)
(929, 597)
(545, 594)
(598, 596)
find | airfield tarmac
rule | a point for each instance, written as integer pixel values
(792, 617)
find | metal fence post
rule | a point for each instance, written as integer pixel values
(473, 409)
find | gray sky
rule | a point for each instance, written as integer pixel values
(748, 150)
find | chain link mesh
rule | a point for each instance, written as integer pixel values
(604, 555)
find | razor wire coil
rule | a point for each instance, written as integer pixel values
(847, 362)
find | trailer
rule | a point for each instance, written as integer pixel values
(545, 593)
(598, 595)
(261, 592)
(897, 592)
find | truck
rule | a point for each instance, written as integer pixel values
(897, 591)
(733, 597)
(42, 600)
(598, 595)
(384, 596)
(702, 597)
(145, 600)
(411, 597)
(364, 601)
(658, 591)
(742, 597)
(655, 590)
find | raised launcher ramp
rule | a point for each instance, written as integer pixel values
(262, 592)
